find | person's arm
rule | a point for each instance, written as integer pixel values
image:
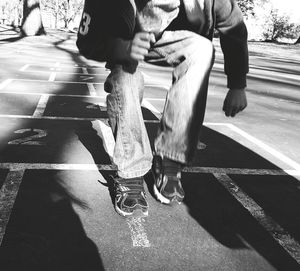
(104, 23)
(121, 50)
(233, 39)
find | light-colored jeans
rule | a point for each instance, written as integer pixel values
(192, 57)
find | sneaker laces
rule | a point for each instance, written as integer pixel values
(129, 186)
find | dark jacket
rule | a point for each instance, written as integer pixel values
(106, 19)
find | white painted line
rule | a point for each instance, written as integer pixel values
(24, 68)
(86, 78)
(265, 147)
(53, 74)
(158, 86)
(8, 194)
(46, 166)
(70, 65)
(96, 105)
(84, 70)
(64, 82)
(40, 109)
(206, 170)
(283, 238)
(5, 83)
(61, 118)
(215, 123)
(107, 136)
(92, 89)
(52, 77)
(70, 95)
(55, 95)
(242, 171)
(156, 99)
(138, 232)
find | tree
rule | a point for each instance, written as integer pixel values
(247, 7)
(64, 10)
(279, 26)
(10, 12)
(32, 19)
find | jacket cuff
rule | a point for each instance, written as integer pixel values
(236, 81)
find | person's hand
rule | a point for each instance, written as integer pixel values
(140, 45)
(235, 102)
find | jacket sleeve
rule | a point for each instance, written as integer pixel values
(233, 39)
(101, 22)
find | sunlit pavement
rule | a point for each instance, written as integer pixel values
(242, 204)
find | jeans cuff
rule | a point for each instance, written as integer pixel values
(178, 157)
(134, 173)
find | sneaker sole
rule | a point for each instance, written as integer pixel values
(135, 213)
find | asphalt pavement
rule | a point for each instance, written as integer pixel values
(242, 205)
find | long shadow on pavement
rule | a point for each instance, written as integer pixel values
(222, 216)
(44, 231)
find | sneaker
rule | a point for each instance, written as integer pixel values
(167, 180)
(130, 197)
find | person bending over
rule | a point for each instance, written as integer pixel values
(177, 33)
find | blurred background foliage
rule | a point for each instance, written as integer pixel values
(266, 20)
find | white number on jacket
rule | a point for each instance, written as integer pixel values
(85, 22)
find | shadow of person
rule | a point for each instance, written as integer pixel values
(221, 214)
(44, 232)
(93, 142)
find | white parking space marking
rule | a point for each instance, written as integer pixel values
(92, 90)
(24, 68)
(51, 118)
(47, 166)
(265, 147)
(91, 87)
(252, 139)
(291, 246)
(207, 170)
(288, 161)
(57, 81)
(165, 87)
(40, 109)
(5, 83)
(8, 194)
(53, 74)
(60, 70)
(243, 171)
(53, 95)
(84, 70)
(138, 232)
(52, 77)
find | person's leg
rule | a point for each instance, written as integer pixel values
(192, 56)
(132, 152)
(186, 100)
